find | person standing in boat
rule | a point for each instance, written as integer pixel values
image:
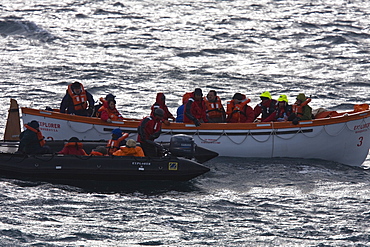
(109, 112)
(215, 110)
(118, 139)
(160, 102)
(238, 111)
(148, 130)
(130, 149)
(300, 109)
(282, 112)
(195, 109)
(32, 141)
(73, 147)
(266, 107)
(77, 101)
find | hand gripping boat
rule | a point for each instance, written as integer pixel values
(344, 138)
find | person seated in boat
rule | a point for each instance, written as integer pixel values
(300, 109)
(195, 109)
(77, 101)
(130, 149)
(160, 102)
(118, 139)
(238, 111)
(266, 107)
(103, 102)
(282, 112)
(109, 112)
(214, 109)
(148, 130)
(99, 151)
(73, 147)
(32, 141)
(180, 109)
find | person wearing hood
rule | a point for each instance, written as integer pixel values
(300, 109)
(282, 112)
(195, 109)
(118, 139)
(160, 102)
(73, 147)
(148, 130)
(77, 101)
(266, 107)
(130, 149)
(238, 110)
(31, 140)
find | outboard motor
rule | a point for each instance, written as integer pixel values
(182, 145)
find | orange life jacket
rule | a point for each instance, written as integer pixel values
(126, 151)
(79, 100)
(186, 97)
(298, 109)
(214, 109)
(234, 110)
(113, 115)
(113, 145)
(40, 137)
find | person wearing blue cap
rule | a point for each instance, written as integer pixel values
(118, 139)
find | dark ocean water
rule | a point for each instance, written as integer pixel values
(135, 49)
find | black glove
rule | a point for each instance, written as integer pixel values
(196, 122)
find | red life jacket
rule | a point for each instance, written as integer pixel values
(113, 145)
(197, 110)
(236, 112)
(214, 109)
(79, 100)
(40, 137)
(298, 109)
(113, 114)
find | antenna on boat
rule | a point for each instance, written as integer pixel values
(13, 124)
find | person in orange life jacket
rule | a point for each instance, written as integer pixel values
(32, 141)
(238, 111)
(118, 139)
(300, 109)
(77, 101)
(130, 149)
(195, 109)
(266, 107)
(109, 113)
(103, 102)
(282, 112)
(73, 147)
(160, 102)
(99, 151)
(148, 130)
(215, 110)
(180, 109)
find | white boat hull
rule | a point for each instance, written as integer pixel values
(344, 139)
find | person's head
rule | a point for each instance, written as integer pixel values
(109, 96)
(198, 94)
(131, 143)
(211, 96)
(101, 149)
(34, 124)
(73, 139)
(116, 133)
(283, 100)
(265, 96)
(238, 97)
(158, 113)
(76, 87)
(112, 104)
(301, 98)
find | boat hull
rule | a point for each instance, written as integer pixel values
(344, 139)
(96, 168)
